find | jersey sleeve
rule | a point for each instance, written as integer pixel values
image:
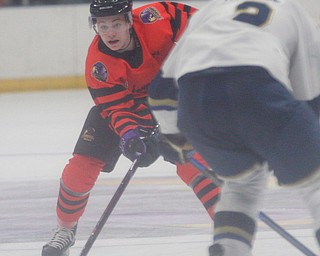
(121, 110)
(163, 102)
(180, 14)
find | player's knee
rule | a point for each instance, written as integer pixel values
(207, 191)
(187, 172)
(241, 201)
(309, 189)
(244, 193)
(109, 166)
(81, 173)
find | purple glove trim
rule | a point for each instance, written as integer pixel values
(131, 145)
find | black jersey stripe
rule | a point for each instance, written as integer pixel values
(177, 21)
(115, 102)
(187, 9)
(144, 123)
(144, 113)
(95, 93)
(175, 18)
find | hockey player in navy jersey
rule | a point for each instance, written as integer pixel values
(243, 104)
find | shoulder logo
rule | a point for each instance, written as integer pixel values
(99, 72)
(150, 15)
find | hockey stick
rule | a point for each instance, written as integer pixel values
(262, 216)
(103, 219)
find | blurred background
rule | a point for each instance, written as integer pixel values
(39, 2)
(44, 43)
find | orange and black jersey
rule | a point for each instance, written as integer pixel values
(118, 82)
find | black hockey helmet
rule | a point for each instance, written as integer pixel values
(101, 8)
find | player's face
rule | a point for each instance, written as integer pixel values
(114, 31)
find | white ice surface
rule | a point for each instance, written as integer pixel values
(38, 133)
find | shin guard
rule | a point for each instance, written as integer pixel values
(310, 192)
(237, 211)
(204, 188)
(235, 230)
(78, 178)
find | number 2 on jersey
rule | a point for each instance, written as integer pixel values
(254, 13)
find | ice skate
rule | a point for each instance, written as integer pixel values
(216, 250)
(234, 248)
(60, 243)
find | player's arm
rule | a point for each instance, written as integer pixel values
(118, 106)
(180, 14)
(131, 119)
(163, 102)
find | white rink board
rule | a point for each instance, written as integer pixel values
(64, 30)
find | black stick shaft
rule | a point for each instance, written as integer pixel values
(301, 247)
(107, 212)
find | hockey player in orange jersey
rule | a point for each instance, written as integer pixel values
(122, 60)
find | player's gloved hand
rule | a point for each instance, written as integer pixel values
(140, 143)
(175, 148)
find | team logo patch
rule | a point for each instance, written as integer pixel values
(99, 72)
(88, 135)
(150, 15)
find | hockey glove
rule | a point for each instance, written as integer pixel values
(142, 144)
(175, 148)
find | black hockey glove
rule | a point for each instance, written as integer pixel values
(142, 144)
(175, 148)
